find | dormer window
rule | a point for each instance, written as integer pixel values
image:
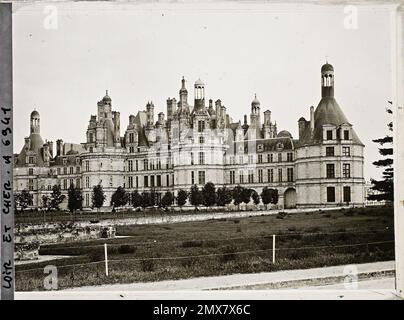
(260, 148)
(346, 134)
(329, 135)
(64, 161)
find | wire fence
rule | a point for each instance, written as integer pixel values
(282, 249)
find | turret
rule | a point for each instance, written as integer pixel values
(199, 95)
(327, 81)
(35, 122)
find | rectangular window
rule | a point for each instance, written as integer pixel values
(290, 156)
(87, 165)
(31, 184)
(329, 151)
(330, 170)
(201, 140)
(260, 176)
(64, 184)
(152, 181)
(346, 170)
(87, 200)
(130, 182)
(192, 177)
(145, 164)
(131, 138)
(346, 151)
(201, 177)
(58, 171)
(146, 181)
(131, 149)
(232, 177)
(30, 171)
(270, 175)
(279, 157)
(329, 134)
(192, 158)
(64, 170)
(270, 157)
(158, 181)
(201, 158)
(167, 180)
(260, 158)
(201, 126)
(71, 170)
(78, 184)
(346, 134)
(290, 174)
(280, 175)
(137, 165)
(347, 194)
(130, 165)
(250, 176)
(137, 182)
(330, 194)
(241, 177)
(250, 159)
(87, 182)
(77, 169)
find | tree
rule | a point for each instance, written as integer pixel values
(182, 197)
(98, 197)
(238, 195)
(209, 194)
(269, 195)
(56, 197)
(23, 199)
(146, 200)
(75, 199)
(195, 196)
(385, 186)
(246, 195)
(167, 199)
(224, 196)
(255, 196)
(119, 198)
(137, 199)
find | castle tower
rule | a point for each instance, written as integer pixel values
(35, 122)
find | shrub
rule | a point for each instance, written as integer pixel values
(126, 248)
(188, 262)
(147, 265)
(192, 244)
(236, 221)
(211, 244)
(228, 253)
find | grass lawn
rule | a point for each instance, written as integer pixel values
(219, 247)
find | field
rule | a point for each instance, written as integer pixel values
(224, 246)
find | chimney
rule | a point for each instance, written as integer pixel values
(59, 146)
(27, 141)
(267, 118)
(311, 118)
(50, 143)
(302, 127)
(210, 103)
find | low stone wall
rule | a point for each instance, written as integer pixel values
(26, 251)
(28, 238)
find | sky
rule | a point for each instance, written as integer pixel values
(139, 52)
